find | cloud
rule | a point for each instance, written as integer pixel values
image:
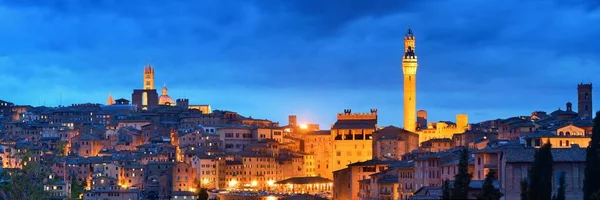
(486, 58)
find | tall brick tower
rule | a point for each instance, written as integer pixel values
(409, 68)
(148, 77)
(584, 101)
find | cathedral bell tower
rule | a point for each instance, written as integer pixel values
(148, 77)
(409, 68)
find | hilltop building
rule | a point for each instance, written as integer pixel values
(146, 98)
(352, 136)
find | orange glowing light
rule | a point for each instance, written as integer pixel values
(303, 126)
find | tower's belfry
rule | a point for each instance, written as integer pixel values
(149, 77)
(409, 68)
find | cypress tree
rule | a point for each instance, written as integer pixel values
(77, 188)
(462, 178)
(446, 194)
(524, 189)
(202, 194)
(489, 191)
(540, 174)
(560, 194)
(591, 183)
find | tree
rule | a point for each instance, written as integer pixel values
(489, 191)
(77, 188)
(591, 182)
(446, 193)
(60, 148)
(560, 194)
(462, 178)
(524, 189)
(25, 183)
(202, 194)
(540, 174)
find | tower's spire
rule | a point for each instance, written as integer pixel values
(110, 100)
(409, 32)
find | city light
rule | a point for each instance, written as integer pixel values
(232, 183)
(304, 126)
(271, 198)
(254, 183)
(271, 183)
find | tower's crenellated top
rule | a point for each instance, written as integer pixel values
(348, 115)
(584, 86)
(409, 44)
(409, 59)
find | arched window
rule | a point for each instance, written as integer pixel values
(567, 143)
(560, 143)
(561, 133)
(568, 133)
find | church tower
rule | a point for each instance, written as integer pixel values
(409, 68)
(584, 101)
(148, 77)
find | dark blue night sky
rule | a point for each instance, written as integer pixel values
(270, 58)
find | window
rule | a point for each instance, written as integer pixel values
(560, 143)
(586, 96)
(568, 144)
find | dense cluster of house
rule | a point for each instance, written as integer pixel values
(119, 152)
(170, 151)
(506, 146)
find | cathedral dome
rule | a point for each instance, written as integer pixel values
(165, 99)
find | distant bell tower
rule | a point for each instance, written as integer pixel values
(148, 77)
(584, 101)
(409, 68)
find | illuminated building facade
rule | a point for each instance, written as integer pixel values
(444, 129)
(352, 137)
(390, 143)
(205, 109)
(319, 143)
